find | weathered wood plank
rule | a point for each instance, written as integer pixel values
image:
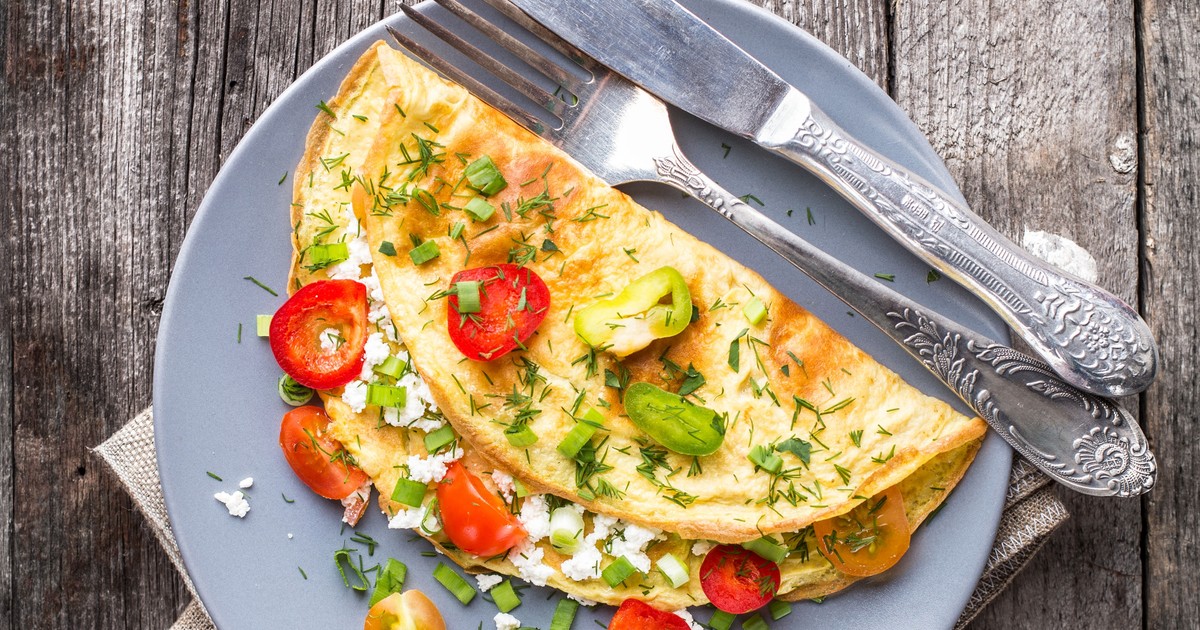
(1170, 35)
(1033, 108)
(857, 29)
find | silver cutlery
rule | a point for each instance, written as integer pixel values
(1089, 337)
(623, 134)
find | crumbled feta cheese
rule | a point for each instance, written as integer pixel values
(504, 483)
(432, 468)
(371, 282)
(358, 248)
(236, 503)
(355, 395)
(407, 519)
(289, 535)
(246, 483)
(527, 558)
(377, 351)
(487, 581)
(602, 526)
(379, 315)
(631, 543)
(584, 565)
(702, 547)
(417, 400)
(687, 618)
(535, 516)
(330, 339)
(505, 621)
(582, 600)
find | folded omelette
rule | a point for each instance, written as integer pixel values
(383, 170)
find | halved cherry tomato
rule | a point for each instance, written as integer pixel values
(317, 459)
(476, 520)
(411, 610)
(736, 580)
(638, 615)
(297, 327)
(869, 539)
(512, 303)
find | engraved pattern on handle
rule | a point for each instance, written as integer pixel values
(1077, 327)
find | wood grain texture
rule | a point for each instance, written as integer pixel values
(856, 29)
(1033, 109)
(1170, 35)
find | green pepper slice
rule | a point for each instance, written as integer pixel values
(637, 315)
(674, 422)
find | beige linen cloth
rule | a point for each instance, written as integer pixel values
(1031, 513)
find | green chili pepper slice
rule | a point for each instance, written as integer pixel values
(673, 421)
(636, 316)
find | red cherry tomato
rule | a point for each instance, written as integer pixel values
(512, 303)
(638, 615)
(869, 539)
(475, 519)
(317, 459)
(736, 580)
(298, 325)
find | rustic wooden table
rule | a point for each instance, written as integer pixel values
(1077, 117)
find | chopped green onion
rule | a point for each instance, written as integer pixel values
(767, 549)
(564, 614)
(755, 311)
(386, 395)
(409, 492)
(485, 177)
(390, 580)
(618, 571)
(392, 367)
(430, 525)
(766, 459)
(478, 209)
(755, 623)
(424, 252)
(779, 609)
(522, 491)
(454, 583)
(435, 440)
(566, 530)
(576, 439)
(722, 620)
(520, 435)
(504, 596)
(676, 571)
(293, 393)
(323, 255)
(387, 248)
(468, 296)
(593, 417)
(341, 558)
(263, 322)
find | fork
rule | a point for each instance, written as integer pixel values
(623, 134)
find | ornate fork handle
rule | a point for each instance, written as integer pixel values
(1083, 441)
(1090, 337)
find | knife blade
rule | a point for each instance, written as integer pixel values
(1087, 335)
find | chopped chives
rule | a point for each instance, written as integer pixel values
(765, 458)
(564, 614)
(263, 323)
(467, 292)
(260, 285)
(576, 439)
(755, 623)
(390, 580)
(341, 558)
(767, 549)
(618, 571)
(392, 367)
(325, 254)
(722, 620)
(424, 252)
(438, 438)
(454, 583)
(409, 492)
(755, 311)
(504, 596)
(478, 209)
(485, 177)
(214, 476)
(293, 393)
(386, 395)
(779, 609)
(520, 435)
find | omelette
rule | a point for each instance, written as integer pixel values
(810, 426)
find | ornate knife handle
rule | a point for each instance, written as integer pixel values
(1084, 442)
(1087, 335)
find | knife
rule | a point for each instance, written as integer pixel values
(1087, 335)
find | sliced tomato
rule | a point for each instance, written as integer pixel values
(474, 519)
(512, 303)
(869, 539)
(638, 615)
(299, 325)
(316, 458)
(736, 580)
(411, 610)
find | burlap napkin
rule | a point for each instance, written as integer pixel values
(1031, 513)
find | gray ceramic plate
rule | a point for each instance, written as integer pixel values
(216, 409)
